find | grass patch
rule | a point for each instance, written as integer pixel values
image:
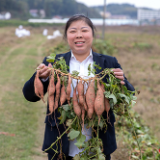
(18, 117)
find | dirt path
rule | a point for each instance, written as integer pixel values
(5, 62)
(7, 54)
(41, 125)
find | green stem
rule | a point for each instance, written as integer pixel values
(104, 121)
(92, 156)
(135, 134)
(85, 149)
(98, 139)
(58, 138)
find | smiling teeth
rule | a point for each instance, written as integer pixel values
(79, 42)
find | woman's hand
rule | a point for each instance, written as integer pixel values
(119, 74)
(44, 70)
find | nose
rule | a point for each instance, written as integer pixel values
(79, 34)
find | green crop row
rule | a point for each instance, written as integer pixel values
(6, 23)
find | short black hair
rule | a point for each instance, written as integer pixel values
(77, 17)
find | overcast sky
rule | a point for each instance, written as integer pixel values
(155, 4)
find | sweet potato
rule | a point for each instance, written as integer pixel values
(51, 103)
(99, 102)
(69, 88)
(107, 107)
(38, 87)
(90, 98)
(80, 88)
(84, 104)
(58, 86)
(51, 86)
(82, 115)
(51, 90)
(76, 106)
(63, 96)
(81, 96)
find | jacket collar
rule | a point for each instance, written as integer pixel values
(67, 58)
(97, 58)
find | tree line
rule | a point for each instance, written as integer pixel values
(120, 9)
(65, 8)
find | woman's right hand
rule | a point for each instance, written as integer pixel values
(44, 70)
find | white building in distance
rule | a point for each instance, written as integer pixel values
(144, 14)
(5, 15)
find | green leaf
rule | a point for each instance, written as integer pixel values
(107, 94)
(75, 73)
(73, 134)
(134, 98)
(51, 58)
(63, 117)
(113, 97)
(90, 124)
(124, 96)
(66, 107)
(96, 66)
(84, 157)
(101, 124)
(69, 122)
(80, 141)
(133, 103)
(76, 157)
(101, 157)
(89, 67)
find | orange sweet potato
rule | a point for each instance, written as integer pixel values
(99, 102)
(69, 88)
(81, 96)
(80, 89)
(51, 103)
(58, 86)
(63, 96)
(90, 98)
(38, 87)
(76, 106)
(82, 115)
(51, 90)
(85, 105)
(51, 86)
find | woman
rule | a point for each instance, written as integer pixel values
(79, 32)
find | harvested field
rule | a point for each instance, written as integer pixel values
(137, 50)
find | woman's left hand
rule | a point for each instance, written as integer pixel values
(119, 74)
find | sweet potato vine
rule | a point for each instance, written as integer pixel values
(90, 107)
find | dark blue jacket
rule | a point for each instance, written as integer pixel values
(51, 131)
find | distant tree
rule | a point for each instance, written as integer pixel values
(120, 9)
(67, 8)
(17, 8)
(64, 8)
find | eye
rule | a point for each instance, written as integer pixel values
(72, 31)
(84, 30)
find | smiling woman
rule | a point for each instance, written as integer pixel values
(79, 33)
(80, 38)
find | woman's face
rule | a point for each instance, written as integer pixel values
(80, 37)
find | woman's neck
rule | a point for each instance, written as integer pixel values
(81, 57)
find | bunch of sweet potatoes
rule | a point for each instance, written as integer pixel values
(93, 101)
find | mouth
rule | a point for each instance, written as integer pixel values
(81, 42)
